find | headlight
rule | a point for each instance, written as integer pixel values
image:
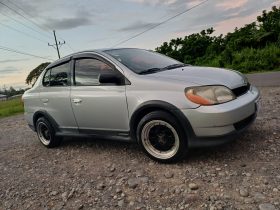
(209, 95)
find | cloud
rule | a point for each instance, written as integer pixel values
(55, 14)
(7, 71)
(138, 25)
(225, 12)
(12, 60)
(67, 23)
(232, 4)
(153, 2)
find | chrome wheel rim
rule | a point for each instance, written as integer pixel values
(160, 139)
(44, 133)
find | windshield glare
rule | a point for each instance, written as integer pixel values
(141, 60)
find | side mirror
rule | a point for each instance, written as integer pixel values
(111, 79)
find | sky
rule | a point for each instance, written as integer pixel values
(92, 24)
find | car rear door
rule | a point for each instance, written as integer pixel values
(97, 107)
(55, 96)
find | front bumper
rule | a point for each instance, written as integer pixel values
(211, 123)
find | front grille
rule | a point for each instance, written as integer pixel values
(241, 90)
(243, 123)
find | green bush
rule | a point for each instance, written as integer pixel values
(251, 59)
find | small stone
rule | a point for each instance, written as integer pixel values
(152, 189)
(259, 197)
(139, 173)
(118, 190)
(244, 192)
(144, 179)
(120, 203)
(266, 206)
(64, 196)
(193, 186)
(168, 175)
(71, 193)
(53, 193)
(265, 181)
(101, 186)
(112, 169)
(248, 200)
(132, 183)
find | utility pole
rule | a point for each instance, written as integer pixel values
(56, 45)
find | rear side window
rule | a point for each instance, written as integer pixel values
(88, 71)
(57, 76)
(46, 79)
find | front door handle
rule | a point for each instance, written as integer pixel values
(77, 100)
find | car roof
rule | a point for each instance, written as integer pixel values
(68, 57)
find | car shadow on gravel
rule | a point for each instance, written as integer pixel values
(237, 148)
(240, 148)
(105, 143)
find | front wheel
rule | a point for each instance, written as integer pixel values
(161, 137)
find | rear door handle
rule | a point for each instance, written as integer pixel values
(77, 100)
(45, 100)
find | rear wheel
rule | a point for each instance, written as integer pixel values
(46, 133)
(161, 137)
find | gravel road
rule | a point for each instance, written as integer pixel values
(99, 174)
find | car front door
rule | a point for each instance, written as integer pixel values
(55, 96)
(98, 107)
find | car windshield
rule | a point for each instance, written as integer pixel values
(143, 61)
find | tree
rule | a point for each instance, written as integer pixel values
(35, 73)
(255, 46)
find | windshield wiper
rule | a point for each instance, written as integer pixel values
(174, 66)
(154, 70)
(150, 71)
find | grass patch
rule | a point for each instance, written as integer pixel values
(11, 107)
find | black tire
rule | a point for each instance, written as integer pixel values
(46, 133)
(159, 130)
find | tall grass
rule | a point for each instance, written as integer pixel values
(10, 107)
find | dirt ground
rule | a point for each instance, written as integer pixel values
(102, 174)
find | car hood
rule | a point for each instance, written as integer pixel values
(203, 76)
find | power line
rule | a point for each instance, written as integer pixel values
(26, 34)
(158, 24)
(30, 20)
(27, 26)
(35, 23)
(15, 11)
(69, 46)
(23, 53)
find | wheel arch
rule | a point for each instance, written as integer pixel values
(43, 113)
(157, 105)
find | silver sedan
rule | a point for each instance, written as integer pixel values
(138, 95)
